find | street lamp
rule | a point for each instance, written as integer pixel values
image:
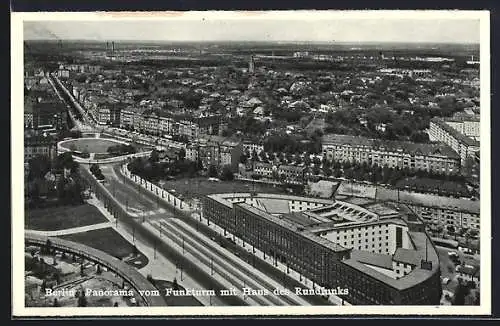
(154, 250)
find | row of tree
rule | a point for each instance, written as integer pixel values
(153, 170)
(58, 179)
(121, 149)
(294, 144)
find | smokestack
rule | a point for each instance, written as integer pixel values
(107, 46)
(113, 48)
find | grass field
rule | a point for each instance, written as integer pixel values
(62, 217)
(109, 241)
(196, 187)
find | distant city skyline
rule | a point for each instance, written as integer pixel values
(349, 30)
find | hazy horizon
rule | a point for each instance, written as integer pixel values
(380, 30)
(247, 41)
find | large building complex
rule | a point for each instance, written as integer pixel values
(457, 135)
(432, 209)
(438, 158)
(380, 252)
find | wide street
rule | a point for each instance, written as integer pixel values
(129, 196)
(222, 264)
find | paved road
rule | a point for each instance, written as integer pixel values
(233, 269)
(236, 273)
(276, 275)
(129, 196)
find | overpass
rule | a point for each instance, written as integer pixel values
(125, 271)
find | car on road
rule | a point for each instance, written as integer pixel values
(446, 280)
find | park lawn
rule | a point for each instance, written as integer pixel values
(62, 217)
(107, 240)
(91, 145)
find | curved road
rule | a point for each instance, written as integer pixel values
(127, 272)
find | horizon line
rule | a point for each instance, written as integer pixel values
(256, 41)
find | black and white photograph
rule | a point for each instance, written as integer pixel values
(251, 163)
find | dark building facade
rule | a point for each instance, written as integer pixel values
(327, 264)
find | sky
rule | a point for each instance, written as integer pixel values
(380, 29)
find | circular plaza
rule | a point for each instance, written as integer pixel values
(99, 150)
(89, 145)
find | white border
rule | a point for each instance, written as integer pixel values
(17, 145)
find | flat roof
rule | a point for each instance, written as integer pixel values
(372, 258)
(417, 275)
(223, 196)
(422, 247)
(346, 225)
(286, 224)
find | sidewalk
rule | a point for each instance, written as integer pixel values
(79, 229)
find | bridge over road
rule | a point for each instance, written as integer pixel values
(125, 271)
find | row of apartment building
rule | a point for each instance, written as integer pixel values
(121, 110)
(437, 158)
(158, 122)
(457, 134)
(289, 173)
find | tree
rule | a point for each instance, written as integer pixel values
(227, 174)
(43, 286)
(450, 229)
(255, 156)
(212, 171)
(460, 293)
(38, 167)
(175, 286)
(82, 300)
(154, 157)
(182, 154)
